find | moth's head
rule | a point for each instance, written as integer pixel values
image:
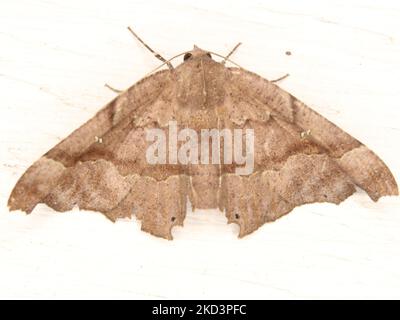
(200, 81)
(196, 53)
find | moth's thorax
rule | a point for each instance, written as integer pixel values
(200, 82)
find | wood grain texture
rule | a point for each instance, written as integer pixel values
(345, 64)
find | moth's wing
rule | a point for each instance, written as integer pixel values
(40, 178)
(300, 157)
(114, 119)
(101, 165)
(361, 164)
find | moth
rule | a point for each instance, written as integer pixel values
(298, 156)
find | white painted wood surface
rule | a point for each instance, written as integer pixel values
(55, 57)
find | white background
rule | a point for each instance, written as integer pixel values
(55, 57)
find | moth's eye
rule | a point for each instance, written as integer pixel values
(209, 55)
(187, 55)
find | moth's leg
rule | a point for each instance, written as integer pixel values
(113, 89)
(157, 55)
(230, 53)
(280, 78)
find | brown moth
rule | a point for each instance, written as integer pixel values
(299, 156)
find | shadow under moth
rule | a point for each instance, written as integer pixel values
(298, 156)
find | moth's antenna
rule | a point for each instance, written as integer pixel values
(230, 53)
(226, 57)
(157, 55)
(181, 54)
(167, 62)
